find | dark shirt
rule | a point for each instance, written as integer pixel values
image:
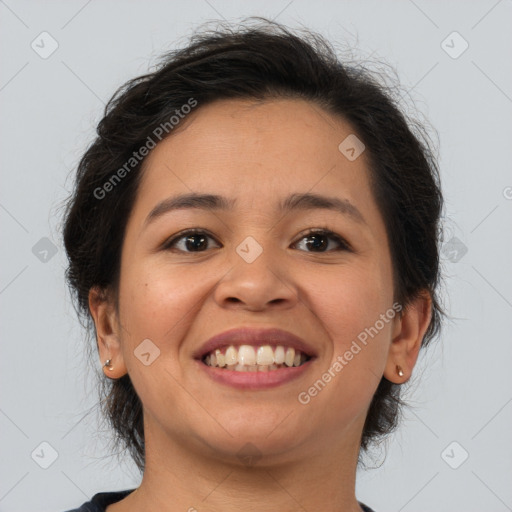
(102, 500)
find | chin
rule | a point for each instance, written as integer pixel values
(254, 442)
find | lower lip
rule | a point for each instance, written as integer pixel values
(255, 380)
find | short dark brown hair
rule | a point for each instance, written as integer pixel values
(255, 61)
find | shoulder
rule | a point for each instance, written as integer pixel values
(365, 508)
(100, 501)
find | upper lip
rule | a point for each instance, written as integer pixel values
(252, 336)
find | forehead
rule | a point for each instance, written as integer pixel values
(235, 144)
(283, 130)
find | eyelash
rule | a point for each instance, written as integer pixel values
(324, 231)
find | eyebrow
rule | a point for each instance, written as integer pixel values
(305, 201)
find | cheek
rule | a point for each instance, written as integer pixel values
(158, 304)
(350, 301)
(346, 380)
(357, 317)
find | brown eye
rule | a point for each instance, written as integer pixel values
(318, 241)
(189, 241)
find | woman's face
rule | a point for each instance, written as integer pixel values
(256, 155)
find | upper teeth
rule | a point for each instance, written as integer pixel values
(247, 355)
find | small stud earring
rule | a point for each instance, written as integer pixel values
(399, 371)
(107, 364)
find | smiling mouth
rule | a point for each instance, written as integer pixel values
(249, 358)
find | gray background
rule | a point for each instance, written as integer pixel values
(461, 390)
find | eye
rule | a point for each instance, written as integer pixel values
(192, 240)
(318, 240)
(196, 240)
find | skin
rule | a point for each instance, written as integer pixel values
(256, 153)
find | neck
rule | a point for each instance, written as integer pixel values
(180, 477)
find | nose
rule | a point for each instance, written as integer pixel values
(257, 285)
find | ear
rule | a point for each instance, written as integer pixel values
(103, 311)
(408, 331)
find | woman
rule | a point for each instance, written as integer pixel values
(254, 234)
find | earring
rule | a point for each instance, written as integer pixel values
(107, 364)
(399, 371)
